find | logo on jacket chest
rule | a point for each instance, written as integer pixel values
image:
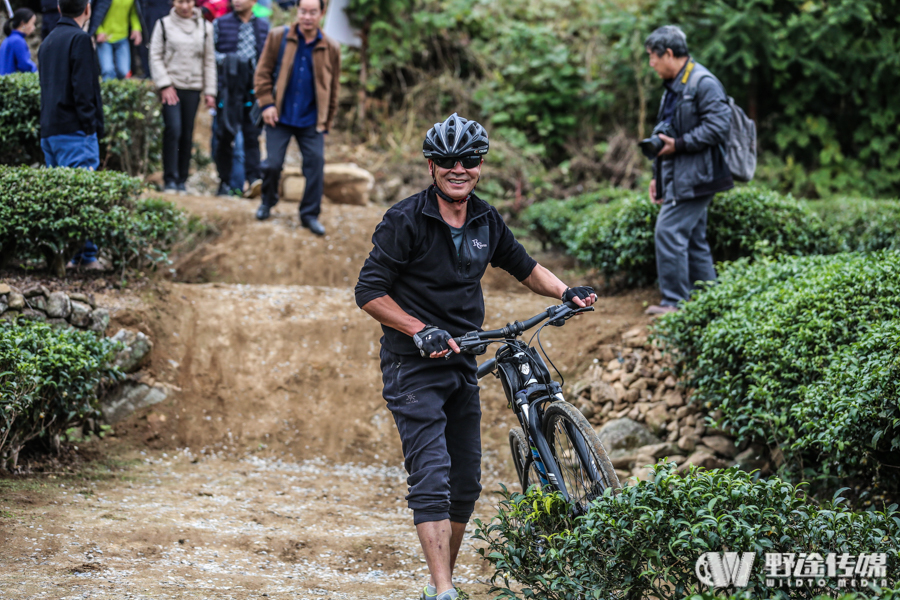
(478, 245)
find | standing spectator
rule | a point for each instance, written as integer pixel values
(111, 22)
(15, 57)
(71, 108)
(178, 41)
(239, 39)
(690, 168)
(151, 11)
(49, 17)
(299, 98)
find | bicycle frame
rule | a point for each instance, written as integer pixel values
(526, 382)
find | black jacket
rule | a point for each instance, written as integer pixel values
(70, 82)
(414, 261)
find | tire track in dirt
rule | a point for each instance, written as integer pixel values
(274, 469)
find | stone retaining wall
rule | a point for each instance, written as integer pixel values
(59, 308)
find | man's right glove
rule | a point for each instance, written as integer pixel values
(582, 292)
(431, 339)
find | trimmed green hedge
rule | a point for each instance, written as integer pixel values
(645, 540)
(132, 140)
(613, 230)
(48, 213)
(49, 379)
(801, 353)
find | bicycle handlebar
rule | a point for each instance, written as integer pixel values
(473, 339)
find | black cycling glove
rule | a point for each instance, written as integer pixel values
(584, 292)
(431, 339)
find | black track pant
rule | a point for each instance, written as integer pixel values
(436, 407)
(178, 135)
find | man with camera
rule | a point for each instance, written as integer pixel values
(687, 146)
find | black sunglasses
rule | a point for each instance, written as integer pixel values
(448, 162)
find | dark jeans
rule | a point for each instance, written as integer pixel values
(312, 148)
(178, 136)
(437, 410)
(224, 152)
(682, 252)
(238, 175)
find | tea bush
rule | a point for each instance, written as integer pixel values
(132, 140)
(860, 224)
(773, 345)
(617, 237)
(851, 416)
(644, 541)
(48, 213)
(49, 380)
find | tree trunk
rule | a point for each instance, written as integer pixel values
(363, 74)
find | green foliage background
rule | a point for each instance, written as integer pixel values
(557, 77)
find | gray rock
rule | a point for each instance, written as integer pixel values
(80, 315)
(99, 320)
(86, 298)
(59, 306)
(129, 397)
(58, 323)
(658, 450)
(703, 457)
(4, 289)
(603, 392)
(587, 410)
(721, 444)
(35, 290)
(30, 314)
(9, 315)
(137, 347)
(687, 443)
(4, 303)
(621, 436)
(38, 302)
(16, 301)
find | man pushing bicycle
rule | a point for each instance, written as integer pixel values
(422, 282)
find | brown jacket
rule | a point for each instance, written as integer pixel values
(326, 70)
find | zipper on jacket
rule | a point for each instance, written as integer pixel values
(463, 245)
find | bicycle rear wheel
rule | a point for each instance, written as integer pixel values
(526, 468)
(582, 460)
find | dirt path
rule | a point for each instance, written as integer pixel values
(273, 469)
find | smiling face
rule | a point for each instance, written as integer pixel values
(457, 182)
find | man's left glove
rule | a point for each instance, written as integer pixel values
(431, 339)
(584, 292)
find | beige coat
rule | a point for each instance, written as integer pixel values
(182, 60)
(326, 70)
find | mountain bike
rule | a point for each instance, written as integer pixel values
(555, 446)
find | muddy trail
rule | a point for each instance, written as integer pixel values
(273, 469)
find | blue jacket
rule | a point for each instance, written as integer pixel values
(415, 262)
(15, 57)
(227, 27)
(702, 122)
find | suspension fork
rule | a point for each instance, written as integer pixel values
(540, 451)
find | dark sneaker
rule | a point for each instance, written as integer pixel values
(182, 189)
(224, 190)
(262, 213)
(171, 188)
(313, 225)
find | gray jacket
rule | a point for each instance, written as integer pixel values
(702, 122)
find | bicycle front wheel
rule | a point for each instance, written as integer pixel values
(585, 467)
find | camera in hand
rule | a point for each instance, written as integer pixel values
(652, 145)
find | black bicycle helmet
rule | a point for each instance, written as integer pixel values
(456, 137)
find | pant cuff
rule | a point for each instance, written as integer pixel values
(423, 516)
(461, 512)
